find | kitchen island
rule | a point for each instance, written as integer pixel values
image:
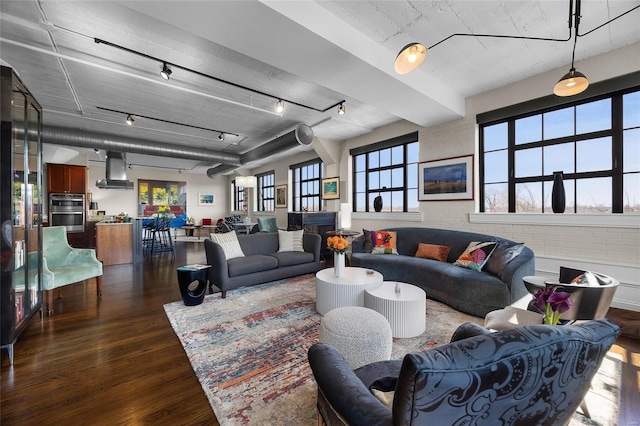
(114, 243)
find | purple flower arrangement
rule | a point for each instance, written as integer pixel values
(552, 303)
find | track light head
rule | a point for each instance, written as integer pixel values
(96, 150)
(571, 83)
(341, 109)
(221, 137)
(409, 58)
(280, 106)
(166, 71)
(130, 120)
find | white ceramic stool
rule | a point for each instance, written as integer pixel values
(361, 335)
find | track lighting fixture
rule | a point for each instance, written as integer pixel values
(166, 71)
(130, 122)
(280, 106)
(341, 110)
(572, 83)
(221, 137)
(96, 150)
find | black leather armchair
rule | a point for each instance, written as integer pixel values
(534, 375)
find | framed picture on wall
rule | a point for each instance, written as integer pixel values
(330, 188)
(281, 196)
(206, 199)
(446, 179)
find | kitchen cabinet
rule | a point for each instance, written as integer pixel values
(114, 243)
(20, 208)
(63, 178)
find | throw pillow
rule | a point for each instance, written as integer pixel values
(385, 397)
(432, 251)
(229, 243)
(367, 240)
(290, 240)
(385, 242)
(504, 253)
(476, 255)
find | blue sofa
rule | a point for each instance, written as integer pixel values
(466, 290)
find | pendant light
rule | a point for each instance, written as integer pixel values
(409, 58)
(573, 82)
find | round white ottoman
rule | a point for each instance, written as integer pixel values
(361, 335)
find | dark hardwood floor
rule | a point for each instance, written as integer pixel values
(118, 361)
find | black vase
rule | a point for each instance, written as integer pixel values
(558, 200)
(377, 203)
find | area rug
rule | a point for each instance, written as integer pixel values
(249, 352)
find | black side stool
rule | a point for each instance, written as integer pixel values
(188, 275)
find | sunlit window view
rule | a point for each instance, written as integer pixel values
(386, 176)
(306, 185)
(266, 192)
(595, 144)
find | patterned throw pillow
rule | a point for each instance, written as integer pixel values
(432, 251)
(385, 242)
(476, 255)
(290, 240)
(502, 255)
(229, 243)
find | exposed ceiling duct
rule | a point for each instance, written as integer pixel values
(73, 137)
(302, 135)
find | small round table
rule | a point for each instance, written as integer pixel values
(405, 311)
(334, 292)
(188, 275)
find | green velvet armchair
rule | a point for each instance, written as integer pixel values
(64, 265)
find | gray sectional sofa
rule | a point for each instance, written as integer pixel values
(261, 262)
(466, 290)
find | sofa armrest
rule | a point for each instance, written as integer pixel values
(78, 256)
(311, 244)
(219, 271)
(344, 391)
(468, 329)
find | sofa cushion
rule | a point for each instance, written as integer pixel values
(433, 251)
(288, 258)
(476, 255)
(250, 264)
(229, 243)
(290, 240)
(504, 253)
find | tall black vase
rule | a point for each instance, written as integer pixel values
(558, 200)
(377, 203)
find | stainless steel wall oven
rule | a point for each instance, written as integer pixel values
(67, 210)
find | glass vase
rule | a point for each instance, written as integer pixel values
(338, 264)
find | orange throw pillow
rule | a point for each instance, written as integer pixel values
(433, 251)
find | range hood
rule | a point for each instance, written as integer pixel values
(116, 172)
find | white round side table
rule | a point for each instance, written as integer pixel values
(405, 311)
(335, 292)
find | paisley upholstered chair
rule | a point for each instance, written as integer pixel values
(63, 265)
(534, 375)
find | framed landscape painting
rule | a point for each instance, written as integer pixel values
(446, 179)
(281, 196)
(330, 188)
(206, 199)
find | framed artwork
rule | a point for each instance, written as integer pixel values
(206, 199)
(281, 196)
(330, 188)
(101, 212)
(446, 179)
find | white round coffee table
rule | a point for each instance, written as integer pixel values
(405, 311)
(333, 292)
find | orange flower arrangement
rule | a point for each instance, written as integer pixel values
(337, 244)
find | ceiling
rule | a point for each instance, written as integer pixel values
(315, 53)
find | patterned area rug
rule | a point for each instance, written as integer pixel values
(249, 352)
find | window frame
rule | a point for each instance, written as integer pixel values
(615, 133)
(297, 184)
(266, 190)
(404, 141)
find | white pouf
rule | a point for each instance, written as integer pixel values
(361, 335)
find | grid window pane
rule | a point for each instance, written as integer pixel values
(559, 158)
(385, 178)
(360, 182)
(529, 197)
(593, 195)
(397, 155)
(385, 157)
(528, 162)
(558, 123)
(360, 163)
(529, 129)
(631, 196)
(412, 200)
(593, 155)
(631, 110)
(631, 161)
(495, 137)
(374, 181)
(593, 116)
(374, 159)
(496, 198)
(496, 166)
(412, 176)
